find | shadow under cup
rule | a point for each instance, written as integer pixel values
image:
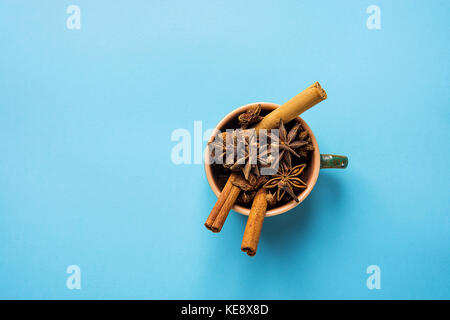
(311, 171)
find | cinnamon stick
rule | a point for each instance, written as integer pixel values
(294, 107)
(254, 223)
(226, 207)
(220, 201)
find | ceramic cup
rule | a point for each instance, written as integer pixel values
(317, 161)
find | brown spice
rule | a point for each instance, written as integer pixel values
(254, 223)
(287, 112)
(226, 207)
(220, 201)
(250, 116)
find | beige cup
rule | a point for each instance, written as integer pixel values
(317, 162)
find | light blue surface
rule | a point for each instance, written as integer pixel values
(86, 176)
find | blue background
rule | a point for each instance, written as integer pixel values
(86, 176)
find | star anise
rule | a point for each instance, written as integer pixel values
(287, 144)
(305, 149)
(248, 158)
(218, 148)
(239, 150)
(250, 116)
(271, 200)
(246, 197)
(287, 180)
(248, 186)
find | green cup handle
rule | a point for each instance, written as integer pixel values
(333, 161)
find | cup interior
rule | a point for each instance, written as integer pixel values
(311, 171)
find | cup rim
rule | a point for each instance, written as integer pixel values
(311, 180)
